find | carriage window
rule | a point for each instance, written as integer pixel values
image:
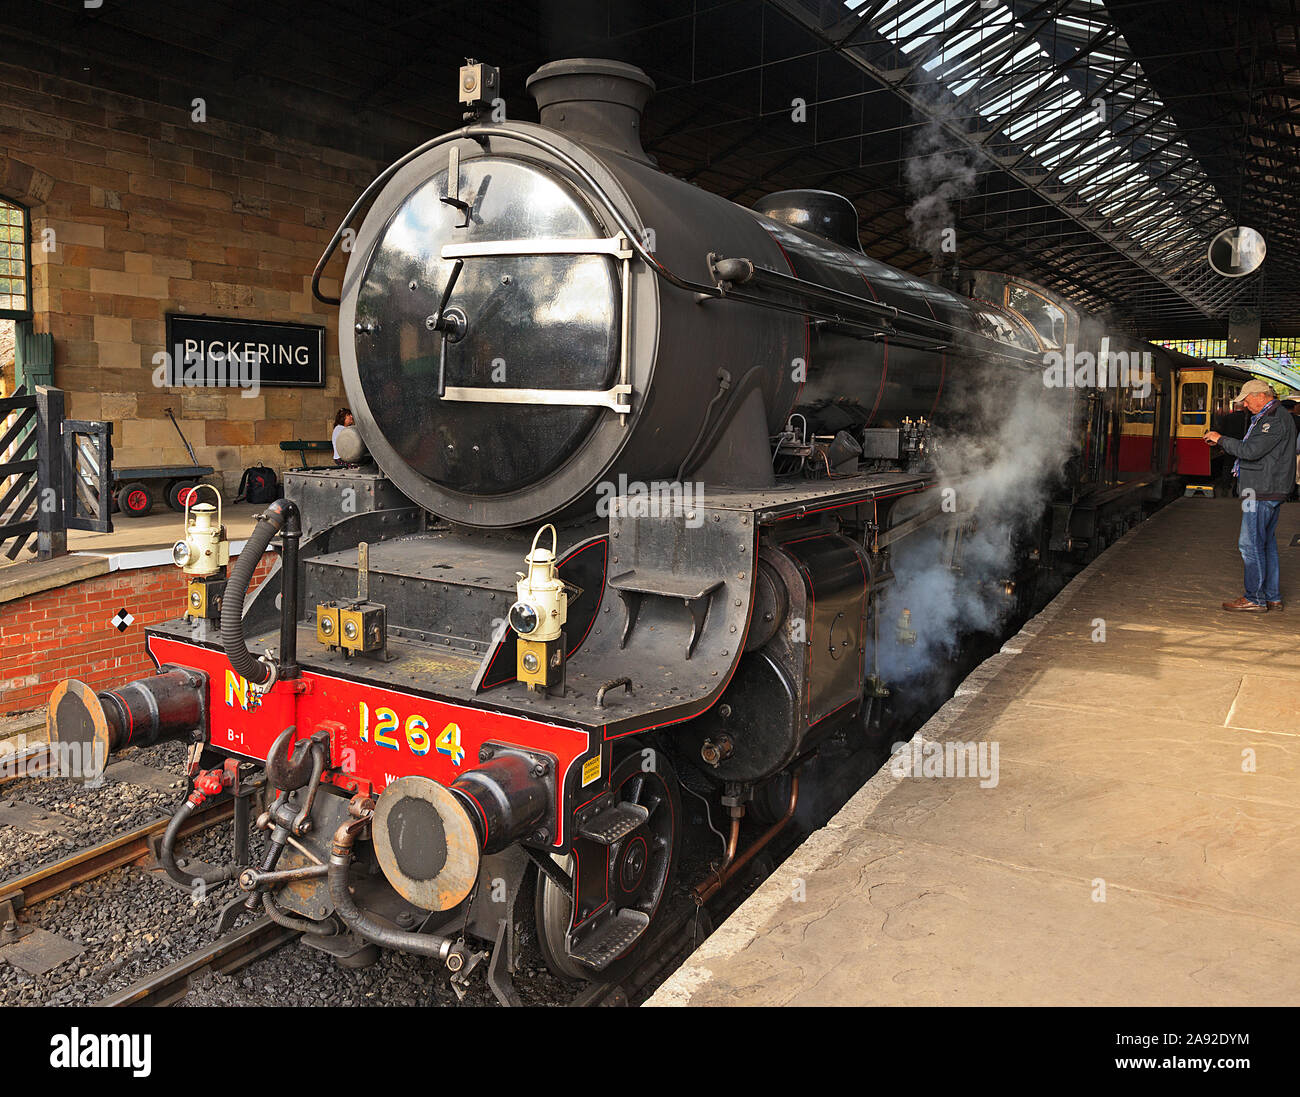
(1139, 409)
(1043, 316)
(1194, 404)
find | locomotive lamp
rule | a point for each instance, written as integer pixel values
(203, 555)
(327, 624)
(479, 84)
(538, 618)
(359, 627)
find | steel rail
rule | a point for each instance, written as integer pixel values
(32, 761)
(228, 953)
(123, 849)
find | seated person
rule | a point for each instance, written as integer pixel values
(342, 419)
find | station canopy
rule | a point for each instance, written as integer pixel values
(1096, 146)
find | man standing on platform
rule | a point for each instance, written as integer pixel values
(1266, 472)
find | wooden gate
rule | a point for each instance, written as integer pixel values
(54, 474)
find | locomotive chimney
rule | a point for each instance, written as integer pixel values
(595, 101)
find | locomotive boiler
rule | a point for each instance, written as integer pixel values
(631, 467)
(536, 309)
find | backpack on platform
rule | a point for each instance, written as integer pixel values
(258, 485)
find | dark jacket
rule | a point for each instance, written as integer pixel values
(1268, 455)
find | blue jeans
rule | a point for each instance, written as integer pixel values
(1258, 545)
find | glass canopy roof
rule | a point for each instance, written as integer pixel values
(1050, 93)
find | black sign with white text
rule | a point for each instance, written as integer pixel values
(221, 352)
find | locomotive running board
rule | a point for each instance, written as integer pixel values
(713, 542)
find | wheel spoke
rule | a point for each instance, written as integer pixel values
(637, 783)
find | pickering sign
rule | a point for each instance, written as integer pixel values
(102, 1051)
(221, 352)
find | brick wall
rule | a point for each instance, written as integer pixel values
(67, 632)
(153, 212)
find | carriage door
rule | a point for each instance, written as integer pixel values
(1162, 442)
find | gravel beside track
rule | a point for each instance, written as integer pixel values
(133, 923)
(95, 813)
(297, 975)
(129, 921)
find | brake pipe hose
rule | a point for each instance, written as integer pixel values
(280, 516)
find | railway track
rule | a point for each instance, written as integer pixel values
(671, 942)
(239, 948)
(247, 944)
(134, 847)
(227, 954)
(123, 849)
(31, 760)
(242, 947)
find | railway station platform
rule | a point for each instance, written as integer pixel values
(1139, 846)
(134, 542)
(83, 615)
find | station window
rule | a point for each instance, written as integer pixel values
(1193, 409)
(15, 262)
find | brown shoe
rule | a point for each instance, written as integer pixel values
(1245, 605)
(1275, 607)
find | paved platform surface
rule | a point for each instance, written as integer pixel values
(1127, 855)
(91, 554)
(159, 529)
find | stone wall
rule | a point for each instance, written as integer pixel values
(153, 212)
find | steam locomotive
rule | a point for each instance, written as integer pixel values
(632, 467)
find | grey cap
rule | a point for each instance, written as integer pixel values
(1255, 387)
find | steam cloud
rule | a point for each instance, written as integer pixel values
(1001, 466)
(937, 174)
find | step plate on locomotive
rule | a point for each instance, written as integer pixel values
(612, 939)
(614, 823)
